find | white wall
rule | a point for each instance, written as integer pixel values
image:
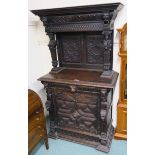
(39, 55)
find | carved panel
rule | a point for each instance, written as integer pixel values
(95, 49)
(71, 48)
(77, 110)
(98, 26)
(81, 17)
(77, 115)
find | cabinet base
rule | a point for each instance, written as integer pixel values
(93, 141)
(107, 144)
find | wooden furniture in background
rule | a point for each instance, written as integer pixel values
(81, 83)
(121, 129)
(36, 121)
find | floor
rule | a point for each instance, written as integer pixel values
(61, 147)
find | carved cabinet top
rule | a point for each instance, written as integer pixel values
(81, 37)
(103, 14)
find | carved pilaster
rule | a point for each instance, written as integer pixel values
(107, 42)
(51, 108)
(52, 46)
(107, 130)
(103, 111)
(108, 52)
(52, 43)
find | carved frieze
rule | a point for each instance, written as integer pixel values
(81, 27)
(81, 18)
(83, 22)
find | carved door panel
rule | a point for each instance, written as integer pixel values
(95, 49)
(77, 110)
(85, 49)
(71, 45)
(87, 108)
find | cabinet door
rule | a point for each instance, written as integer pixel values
(77, 110)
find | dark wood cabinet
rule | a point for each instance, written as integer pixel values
(36, 121)
(81, 83)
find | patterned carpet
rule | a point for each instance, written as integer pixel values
(61, 147)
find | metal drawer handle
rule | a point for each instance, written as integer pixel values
(37, 112)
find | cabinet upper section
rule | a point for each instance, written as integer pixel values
(81, 37)
(79, 18)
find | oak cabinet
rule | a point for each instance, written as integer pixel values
(81, 83)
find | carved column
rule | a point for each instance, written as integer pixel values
(103, 110)
(51, 108)
(106, 126)
(52, 46)
(108, 46)
(52, 43)
(103, 113)
(107, 49)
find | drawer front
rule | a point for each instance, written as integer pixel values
(33, 133)
(36, 120)
(36, 129)
(86, 97)
(77, 109)
(34, 102)
(35, 136)
(64, 94)
(76, 93)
